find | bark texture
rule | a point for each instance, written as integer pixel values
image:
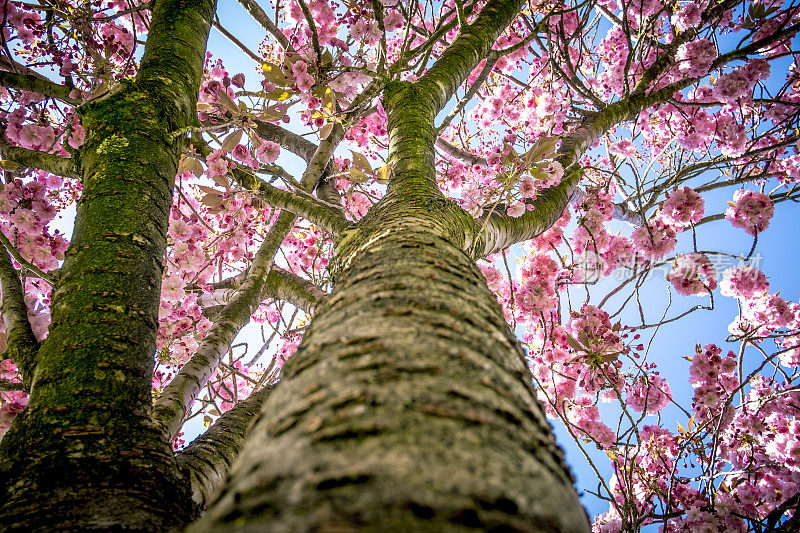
(85, 454)
(208, 459)
(407, 407)
(22, 344)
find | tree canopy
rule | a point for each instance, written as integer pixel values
(220, 200)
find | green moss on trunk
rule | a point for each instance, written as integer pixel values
(85, 454)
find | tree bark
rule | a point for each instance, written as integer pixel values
(208, 459)
(408, 406)
(85, 455)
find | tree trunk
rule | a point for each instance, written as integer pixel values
(408, 406)
(85, 454)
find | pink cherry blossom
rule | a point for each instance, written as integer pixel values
(268, 152)
(750, 211)
(693, 274)
(655, 240)
(172, 288)
(240, 152)
(733, 457)
(744, 282)
(695, 57)
(527, 187)
(686, 16)
(682, 208)
(516, 209)
(649, 395)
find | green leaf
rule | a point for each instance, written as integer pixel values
(280, 95)
(325, 131)
(757, 10)
(573, 343)
(544, 148)
(383, 173)
(356, 176)
(225, 100)
(209, 190)
(222, 181)
(254, 137)
(361, 162)
(584, 337)
(232, 140)
(273, 113)
(273, 74)
(212, 200)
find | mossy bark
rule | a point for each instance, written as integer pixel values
(85, 454)
(407, 407)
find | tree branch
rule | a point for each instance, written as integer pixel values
(473, 43)
(501, 231)
(459, 153)
(35, 84)
(177, 398)
(23, 262)
(629, 107)
(491, 60)
(297, 144)
(326, 216)
(281, 285)
(239, 44)
(22, 343)
(621, 211)
(10, 65)
(207, 460)
(36, 159)
(313, 27)
(306, 149)
(260, 16)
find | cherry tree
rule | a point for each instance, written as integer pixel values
(376, 249)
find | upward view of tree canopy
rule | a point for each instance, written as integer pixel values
(433, 223)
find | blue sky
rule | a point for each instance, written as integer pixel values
(779, 258)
